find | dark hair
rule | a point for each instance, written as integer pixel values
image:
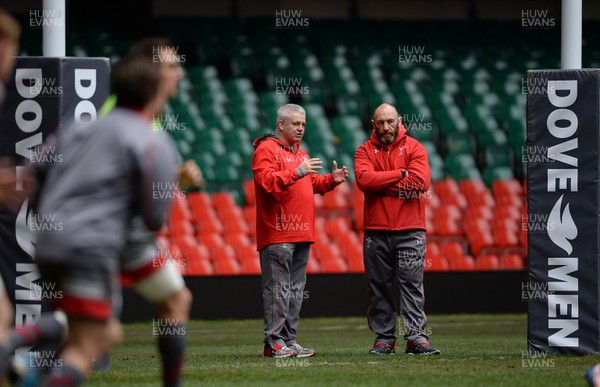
(135, 81)
(149, 47)
(9, 27)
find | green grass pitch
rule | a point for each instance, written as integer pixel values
(477, 350)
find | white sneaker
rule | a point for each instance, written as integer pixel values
(302, 352)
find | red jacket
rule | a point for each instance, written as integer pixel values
(285, 204)
(393, 202)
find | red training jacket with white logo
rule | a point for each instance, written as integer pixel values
(285, 203)
(393, 202)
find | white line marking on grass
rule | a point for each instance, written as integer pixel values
(462, 324)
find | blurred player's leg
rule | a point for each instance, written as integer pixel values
(88, 340)
(6, 316)
(49, 328)
(157, 279)
(91, 297)
(174, 308)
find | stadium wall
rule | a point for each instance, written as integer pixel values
(477, 10)
(344, 295)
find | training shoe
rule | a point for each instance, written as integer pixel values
(302, 352)
(281, 351)
(420, 349)
(593, 375)
(22, 372)
(383, 349)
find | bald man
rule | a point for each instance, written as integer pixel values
(392, 170)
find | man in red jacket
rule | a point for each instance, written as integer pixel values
(392, 171)
(286, 179)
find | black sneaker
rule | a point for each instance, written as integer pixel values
(383, 349)
(421, 349)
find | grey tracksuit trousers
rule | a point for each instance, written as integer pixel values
(283, 267)
(395, 256)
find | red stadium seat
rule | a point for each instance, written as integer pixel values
(185, 242)
(319, 202)
(449, 193)
(336, 226)
(446, 187)
(432, 250)
(336, 200)
(249, 192)
(506, 233)
(478, 211)
(180, 226)
(213, 241)
(240, 242)
(330, 258)
(236, 224)
(180, 210)
(436, 263)
(487, 262)
(333, 265)
(250, 260)
(447, 220)
(512, 262)
(224, 261)
(480, 240)
(466, 263)
(250, 216)
(447, 227)
(483, 199)
(222, 200)
(198, 261)
(351, 249)
(508, 187)
(199, 203)
(452, 250)
(472, 188)
(432, 200)
(510, 202)
(209, 223)
(358, 204)
(313, 265)
(451, 211)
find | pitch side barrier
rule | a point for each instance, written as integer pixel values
(43, 94)
(345, 295)
(562, 128)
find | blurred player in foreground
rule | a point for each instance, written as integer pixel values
(145, 263)
(110, 172)
(10, 32)
(393, 172)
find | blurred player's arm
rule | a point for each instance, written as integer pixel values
(14, 190)
(159, 178)
(190, 175)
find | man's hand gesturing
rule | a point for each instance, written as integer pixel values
(309, 166)
(339, 175)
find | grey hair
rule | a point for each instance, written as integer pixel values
(285, 112)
